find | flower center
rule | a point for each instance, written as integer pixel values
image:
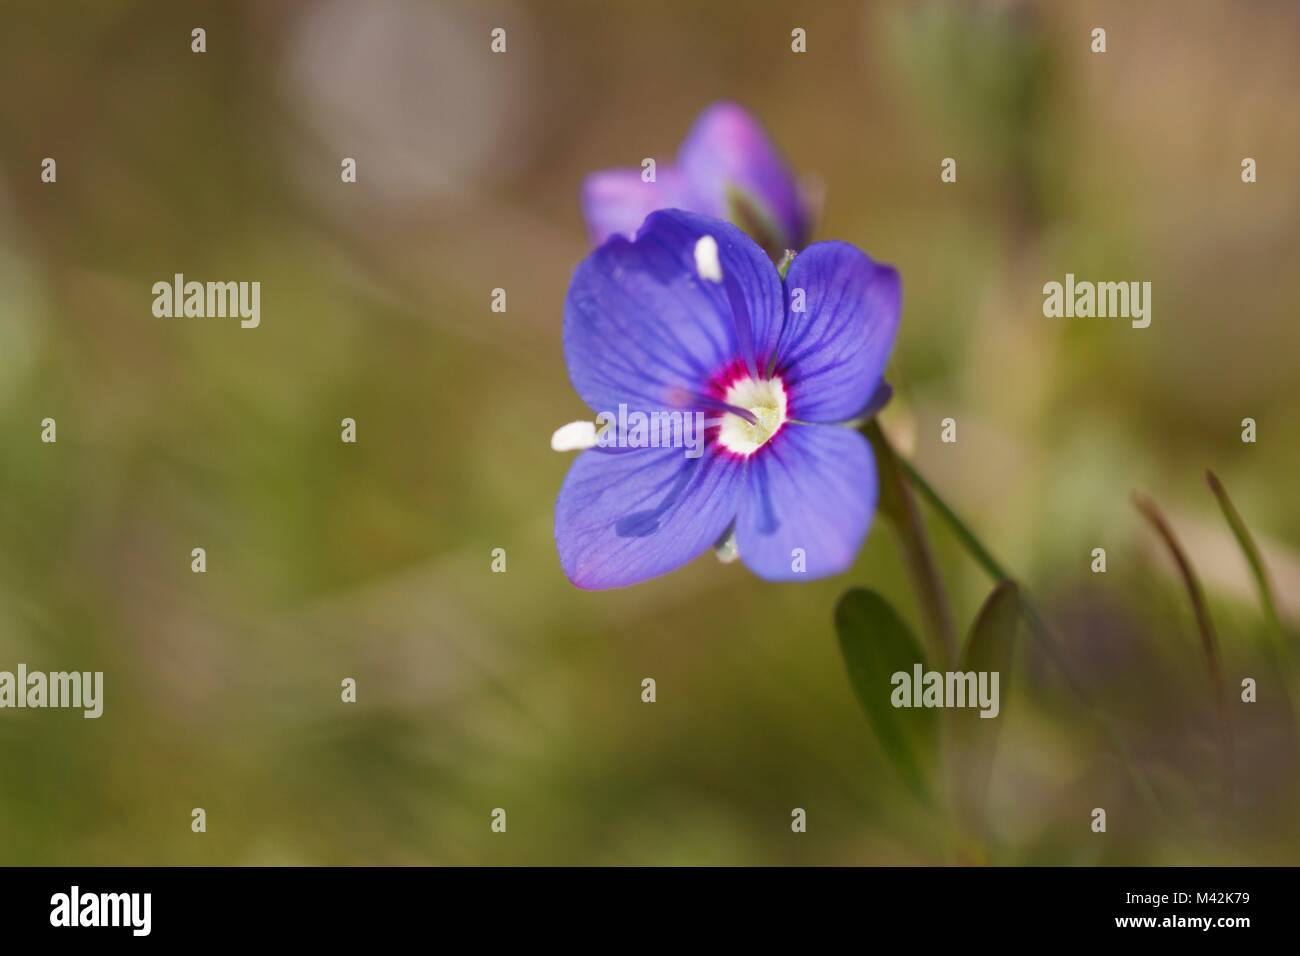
(765, 400)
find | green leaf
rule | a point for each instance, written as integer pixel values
(989, 649)
(992, 637)
(877, 644)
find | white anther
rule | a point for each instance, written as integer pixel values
(575, 436)
(706, 259)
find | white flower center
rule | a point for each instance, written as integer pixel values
(765, 400)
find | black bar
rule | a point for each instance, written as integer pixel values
(538, 905)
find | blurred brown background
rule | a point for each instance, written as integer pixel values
(481, 690)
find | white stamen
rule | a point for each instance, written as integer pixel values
(575, 436)
(706, 259)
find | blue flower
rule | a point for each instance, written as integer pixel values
(693, 317)
(727, 168)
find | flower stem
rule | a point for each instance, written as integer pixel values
(1037, 626)
(898, 503)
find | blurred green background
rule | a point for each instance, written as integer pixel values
(373, 561)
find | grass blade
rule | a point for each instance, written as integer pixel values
(1209, 642)
(1249, 549)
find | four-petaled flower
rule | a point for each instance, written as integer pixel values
(693, 316)
(726, 168)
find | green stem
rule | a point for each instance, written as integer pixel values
(898, 503)
(972, 544)
(1037, 626)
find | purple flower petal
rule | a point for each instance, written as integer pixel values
(833, 354)
(641, 328)
(624, 516)
(728, 148)
(615, 202)
(812, 487)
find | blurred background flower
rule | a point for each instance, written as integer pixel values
(479, 690)
(727, 168)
